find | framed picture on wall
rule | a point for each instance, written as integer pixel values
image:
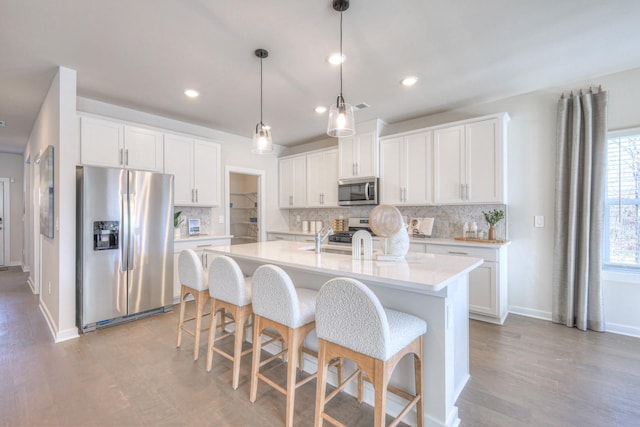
(46, 192)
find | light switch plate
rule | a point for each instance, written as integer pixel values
(538, 221)
(221, 219)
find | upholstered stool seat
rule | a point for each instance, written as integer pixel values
(230, 294)
(290, 311)
(194, 281)
(351, 323)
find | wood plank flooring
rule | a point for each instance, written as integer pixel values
(526, 373)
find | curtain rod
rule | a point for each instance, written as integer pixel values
(590, 91)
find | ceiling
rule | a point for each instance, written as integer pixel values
(143, 54)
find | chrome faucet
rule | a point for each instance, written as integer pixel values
(321, 238)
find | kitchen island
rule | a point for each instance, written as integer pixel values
(432, 287)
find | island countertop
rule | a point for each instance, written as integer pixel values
(418, 272)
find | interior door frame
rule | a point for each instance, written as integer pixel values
(228, 170)
(36, 267)
(6, 196)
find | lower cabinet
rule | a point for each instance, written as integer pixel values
(487, 283)
(197, 245)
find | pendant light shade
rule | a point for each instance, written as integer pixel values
(262, 142)
(341, 121)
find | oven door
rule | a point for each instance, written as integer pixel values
(358, 192)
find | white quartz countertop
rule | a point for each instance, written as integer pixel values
(425, 240)
(418, 272)
(201, 237)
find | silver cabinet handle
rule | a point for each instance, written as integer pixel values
(193, 197)
(458, 253)
(121, 161)
(196, 195)
(466, 192)
(279, 238)
(290, 200)
(126, 157)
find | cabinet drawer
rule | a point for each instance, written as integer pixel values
(486, 254)
(280, 236)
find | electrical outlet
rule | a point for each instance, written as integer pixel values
(538, 221)
(221, 219)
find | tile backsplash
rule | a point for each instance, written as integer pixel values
(204, 214)
(448, 220)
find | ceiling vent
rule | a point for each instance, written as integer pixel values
(1, 123)
(361, 106)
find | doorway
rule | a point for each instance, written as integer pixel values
(245, 207)
(5, 222)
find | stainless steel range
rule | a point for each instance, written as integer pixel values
(354, 224)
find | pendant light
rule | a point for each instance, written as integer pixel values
(262, 142)
(341, 122)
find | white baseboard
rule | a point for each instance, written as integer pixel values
(25, 268)
(622, 329)
(529, 312)
(60, 336)
(32, 286)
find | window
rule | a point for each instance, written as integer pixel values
(622, 210)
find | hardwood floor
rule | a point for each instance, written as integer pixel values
(526, 373)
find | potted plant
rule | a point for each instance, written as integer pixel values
(176, 224)
(493, 217)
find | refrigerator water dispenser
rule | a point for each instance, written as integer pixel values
(105, 235)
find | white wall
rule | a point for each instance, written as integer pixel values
(56, 126)
(11, 166)
(531, 174)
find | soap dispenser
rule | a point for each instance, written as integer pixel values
(465, 230)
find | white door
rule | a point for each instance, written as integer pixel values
(2, 220)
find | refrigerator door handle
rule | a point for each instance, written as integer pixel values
(124, 247)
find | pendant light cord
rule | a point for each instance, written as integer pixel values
(261, 92)
(341, 57)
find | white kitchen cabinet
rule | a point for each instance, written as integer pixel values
(111, 143)
(195, 165)
(292, 181)
(322, 179)
(470, 162)
(198, 245)
(487, 283)
(359, 156)
(406, 169)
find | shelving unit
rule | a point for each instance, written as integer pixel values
(244, 217)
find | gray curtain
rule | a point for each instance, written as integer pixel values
(580, 184)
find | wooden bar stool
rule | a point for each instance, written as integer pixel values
(194, 281)
(351, 323)
(288, 310)
(230, 294)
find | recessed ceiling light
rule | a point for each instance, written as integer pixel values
(321, 109)
(191, 93)
(409, 81)
(336, 59)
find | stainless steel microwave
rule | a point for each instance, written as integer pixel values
(358, 191)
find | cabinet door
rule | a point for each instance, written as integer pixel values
(101, 142)
(367, 156)
(292, 182)
(484, 162)
(482, 289)
(322, 179)
(449, 164)
(418, 154)
(143, 149)
(346, 157)
(178, 161)
(206, 173)
(392, 171)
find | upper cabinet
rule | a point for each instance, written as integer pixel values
(322, 179)
(470, 162)
(292, 181)
(359, 154)
(406, 169)
(113, 144)
(195, 165)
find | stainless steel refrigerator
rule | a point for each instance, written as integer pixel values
(124, 249)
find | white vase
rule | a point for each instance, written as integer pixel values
(398, 244)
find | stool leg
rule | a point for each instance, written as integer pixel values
(380, 385)
(200, 303)
(360, 385)
(240, 317)
(212, 335)
(321, 383)
(417, 367)
(293, 345)
(182, 310)
(255, 364)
